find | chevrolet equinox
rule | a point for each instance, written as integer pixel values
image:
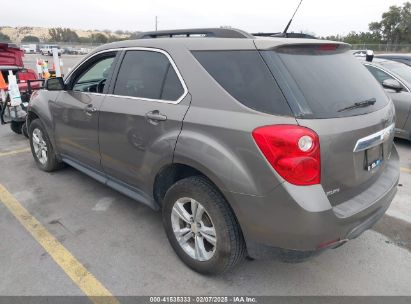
(251, 146)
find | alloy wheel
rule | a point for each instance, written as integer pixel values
(194, 229)
(40, 146)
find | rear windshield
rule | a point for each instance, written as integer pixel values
(324, 81)
(245, 76)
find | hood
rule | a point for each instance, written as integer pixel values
(10, 55)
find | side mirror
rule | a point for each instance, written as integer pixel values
(392, 84)
(54, 84)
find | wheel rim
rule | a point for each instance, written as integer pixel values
(40, 146)
(193, 229)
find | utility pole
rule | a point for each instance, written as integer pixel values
(156, 23)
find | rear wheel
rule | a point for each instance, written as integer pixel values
(201, 227)
(41, 148)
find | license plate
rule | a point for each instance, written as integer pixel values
(373, 157)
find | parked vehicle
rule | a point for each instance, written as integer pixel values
(70, 51)
(395, 77)
(83, 51)
(403, 58)
(29, 48)
(359, 53)
(47, 50)
(248, 146)
(11, 59)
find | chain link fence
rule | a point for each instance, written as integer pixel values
(384, 48)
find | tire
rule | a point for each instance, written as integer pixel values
(24, 130)
(15, 126)
(37, 132)
(229, 248)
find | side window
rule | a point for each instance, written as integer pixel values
(378, 74)
(93, 79)
(245, 76)
(148, 74)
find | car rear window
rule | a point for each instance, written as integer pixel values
(245, 76)
(323, 81)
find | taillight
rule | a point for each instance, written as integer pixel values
(328, 47)
(293, 151)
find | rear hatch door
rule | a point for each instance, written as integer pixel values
(331, 93)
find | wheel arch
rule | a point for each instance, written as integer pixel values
(33, 114)
(169, 174)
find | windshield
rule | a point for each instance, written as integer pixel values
(321, 81)
(401, 69)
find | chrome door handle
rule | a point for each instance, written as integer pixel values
(90, 109)
(155, 116)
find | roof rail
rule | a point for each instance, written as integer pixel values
(200, 32)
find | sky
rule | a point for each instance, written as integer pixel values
(319, 17)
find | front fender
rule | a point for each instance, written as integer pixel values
(40, 107)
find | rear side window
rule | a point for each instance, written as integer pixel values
(324, 81)
(148, 74)
(378, 74)
(245, 76)
(404, 71)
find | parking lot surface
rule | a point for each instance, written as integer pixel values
(123, 245)
(69, 61)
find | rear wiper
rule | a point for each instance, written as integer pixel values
(360, 104)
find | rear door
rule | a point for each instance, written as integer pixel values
(76, 110)
(142, 117)
(401, 100)
(323, 83)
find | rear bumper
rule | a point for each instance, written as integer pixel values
(297, 226)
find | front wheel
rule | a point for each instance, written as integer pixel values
(15, 126)
(41, 148)
(201, 227)
(24, 130)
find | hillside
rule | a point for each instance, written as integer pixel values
(18, 33)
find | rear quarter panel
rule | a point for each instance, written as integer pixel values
(216, 137)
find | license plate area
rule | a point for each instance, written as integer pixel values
(373, 157)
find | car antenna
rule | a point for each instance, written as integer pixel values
(291, 20)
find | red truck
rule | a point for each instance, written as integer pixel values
(11, 58)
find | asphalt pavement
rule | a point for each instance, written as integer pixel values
(122, 245)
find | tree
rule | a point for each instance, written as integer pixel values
(84, 40)
(98, 38)
(395, 25)
(405, 24)
(4, 38)
(63, 35)
(390, 24)
(30, 38)
(134, 35)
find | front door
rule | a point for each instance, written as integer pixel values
(76, 110)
